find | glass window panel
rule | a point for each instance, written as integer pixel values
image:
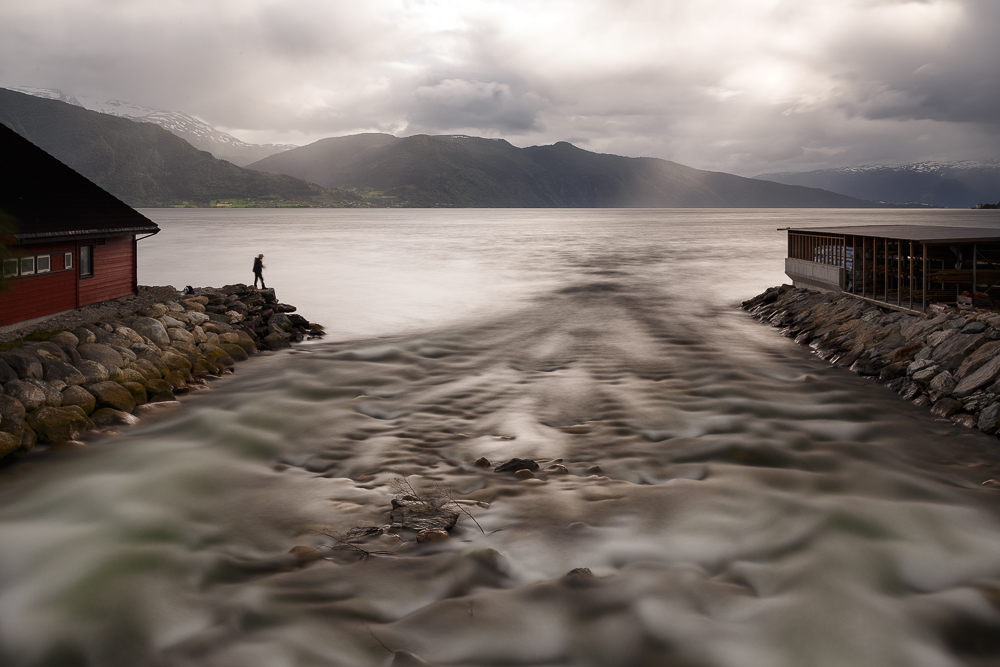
(68, 261)
(43, 263)
(27, 266)
(9, 268)
(86, 260)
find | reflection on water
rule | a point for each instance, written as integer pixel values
(738, 502)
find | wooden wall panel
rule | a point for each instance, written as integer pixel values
(45, 293)
(114, 271)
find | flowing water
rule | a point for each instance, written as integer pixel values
(738, 502)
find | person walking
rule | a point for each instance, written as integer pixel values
(258, 271)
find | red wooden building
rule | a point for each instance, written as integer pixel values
(72, 243)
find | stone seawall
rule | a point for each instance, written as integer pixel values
(948, 361)
(57, 385)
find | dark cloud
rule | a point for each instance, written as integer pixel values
(739, 85)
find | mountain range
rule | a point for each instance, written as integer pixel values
(945, 184)
(465, 171)
(144, 165)
(199, 134)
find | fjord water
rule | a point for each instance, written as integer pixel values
(750, 504)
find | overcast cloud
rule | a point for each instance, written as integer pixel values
(745, 86)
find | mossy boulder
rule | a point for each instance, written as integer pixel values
(112, 395)
(11, 409)
(55, 425)
(101, 353)
(235, 351)
(138, 392)
(112, 417)
(80, 397)
(30, 396)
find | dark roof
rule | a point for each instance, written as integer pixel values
(47, 199)
(922, 233)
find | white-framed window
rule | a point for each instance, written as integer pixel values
(27, 266)
(68, 260)
(10, 267)
(43, 263)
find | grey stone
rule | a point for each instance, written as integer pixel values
(55, 425)
(132, 375)
(197, 318)
(981, 378)
(65, 340)
(11, 409)
(953, 351)
(58, 370)
(126, 354)
(102, 354)
(180, 334)
(939, 337)
(6, 372)
(276, 341)
(986, 352)
(926, 374)
(30, 396)
(112, 395)
(75, 395)
(280, 321)
(151, 329)
(92, 371)
(46, 350)
(84, 335)
(943, 384)
(988, 418)
(964, 419)
(131, 335)
(169, 322)
(53, 397)
(974, 328)
(24, 363)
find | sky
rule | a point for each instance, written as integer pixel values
(743, 86)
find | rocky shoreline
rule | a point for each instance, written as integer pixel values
(947, 361)
(129, 357)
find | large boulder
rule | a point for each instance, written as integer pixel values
(84, 335)
(159, 386)
(182, 335)
(24, 363)
(235, 351)
(192, 305)
(112, 395)
(101, 353)
(280, 322)
(78, 396)
(6, 372)
(65, 340)
(55, 425)
(217, 355)
(151, 329)
(174, 361)
(198, 318)
(144, 366)
(58, 370)
(125, 353)
(11, 409)
(30, 396)
(131, 335)
(138, 392)
(276, 340)
(985, 376)
(9, 443)
(92, 371)
(132, 375)
(53, 397)
(46, 350)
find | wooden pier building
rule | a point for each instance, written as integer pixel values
(904, 267)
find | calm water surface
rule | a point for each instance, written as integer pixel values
(749, 505)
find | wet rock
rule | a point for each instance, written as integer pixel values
(174, 361)
(138, 392)
(514, 465)
(101, 353)
(946, 407)
(59, 370)
(112, 417)
(943, 384)
(963, 419)
(977, 359)
(277, 341)
(112, 395)
(579, 577)
(360, 532)
(9, 443)
(162, 397)
(235, 351)
(146, 368)
(433, 536)
(988, 418)
(30, 396)
(557, 469)
(595, 470)
(24, 363)
(157, 386)
(183, 335)
(482, 462)
(926, 374)
(909, 390)
(893, 371)
(306, 553)
(418, 516)
(56, 425)
(974, 327)
(524, 474)
(80, 397)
